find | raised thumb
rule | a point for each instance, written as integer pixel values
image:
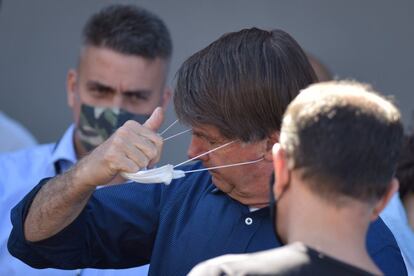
(154, 122)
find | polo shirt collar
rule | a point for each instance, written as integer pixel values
(64, 148)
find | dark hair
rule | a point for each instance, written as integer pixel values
(242, 83)
(405, 169)
(130, 30)
(345, 138)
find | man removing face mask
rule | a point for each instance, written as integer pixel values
(232, 94)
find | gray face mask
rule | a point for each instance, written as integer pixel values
(96, 124)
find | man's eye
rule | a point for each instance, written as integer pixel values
(100, 91)
(213, 142)
(136, 97)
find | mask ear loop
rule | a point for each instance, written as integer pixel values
(177, 134)
(174, 135)
(205, 153)
(225, 166)
(168, 127)
(216, 167)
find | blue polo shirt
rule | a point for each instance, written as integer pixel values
(171, 227)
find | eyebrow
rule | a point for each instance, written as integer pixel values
(142, 93)
(139, 92)
(203, 134)
(99, 85)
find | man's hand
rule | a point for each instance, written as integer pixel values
(131, 148)
(62, 199)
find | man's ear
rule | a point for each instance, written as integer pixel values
(166, 97)
(382, 203)
(270, 142)
(281, 169)
(71, 83)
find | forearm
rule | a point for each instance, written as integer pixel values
(56, 205)
(62, 199)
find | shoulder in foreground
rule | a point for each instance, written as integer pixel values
(260, 263)
(293, 259)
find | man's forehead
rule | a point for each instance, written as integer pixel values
(121, 72)
(130, 65)
(90, 50)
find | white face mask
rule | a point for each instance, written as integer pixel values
(164, 174)
(167, 173)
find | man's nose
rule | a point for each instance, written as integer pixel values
(197, 147)
(118, 101)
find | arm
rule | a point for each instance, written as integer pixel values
(56, 205)
(116, 230)
(62, 199)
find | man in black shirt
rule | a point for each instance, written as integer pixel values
(334, 166)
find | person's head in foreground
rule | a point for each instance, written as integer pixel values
(334, 172)
(121, 72)
(237, 89)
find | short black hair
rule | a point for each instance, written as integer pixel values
(345, 138)
(130, 30)
(242, 83)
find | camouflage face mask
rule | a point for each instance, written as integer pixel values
(96, 124)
